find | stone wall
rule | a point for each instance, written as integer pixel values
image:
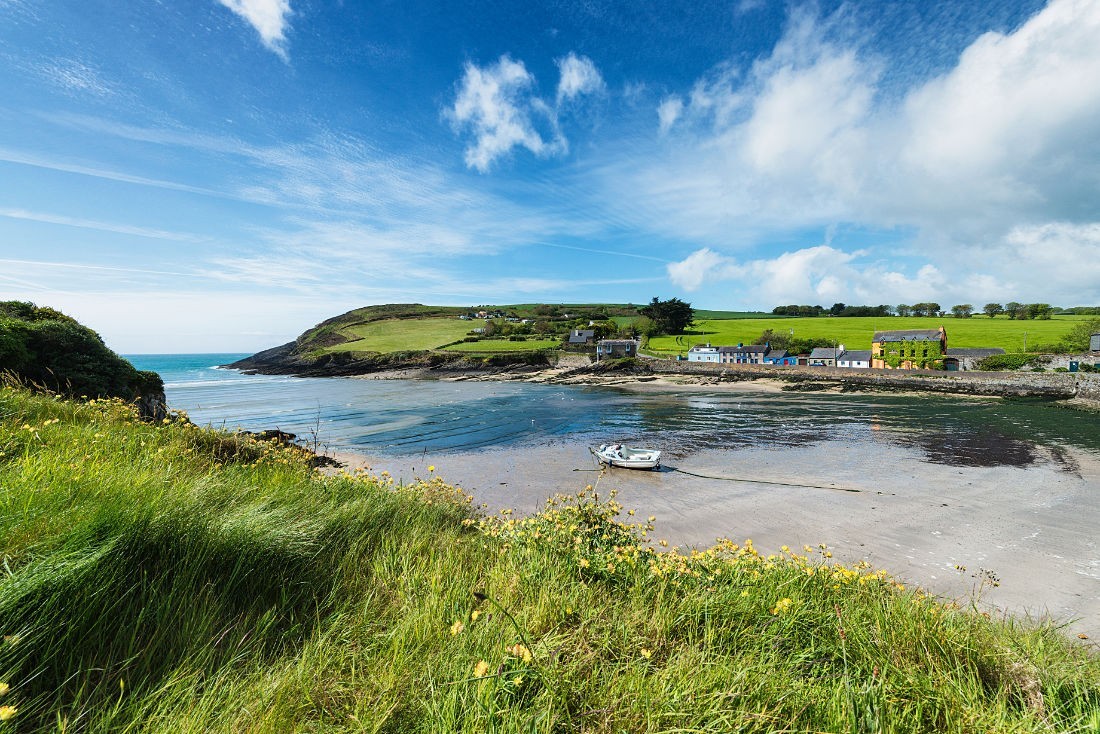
(569, 360)
(1088, 387)
(1058, 385)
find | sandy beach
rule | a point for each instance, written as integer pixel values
(1034, 530)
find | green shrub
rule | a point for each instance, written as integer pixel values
(46, 348)
(1001, 362)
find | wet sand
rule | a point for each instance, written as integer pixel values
(1034, 528)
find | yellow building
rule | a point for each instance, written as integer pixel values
(908, 349)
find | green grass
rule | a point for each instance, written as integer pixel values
(402, 335)
(498, 346)
(856, 332)
(163, 578)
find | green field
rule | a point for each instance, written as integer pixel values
(402, 335)
(856, 332)
(496, 346)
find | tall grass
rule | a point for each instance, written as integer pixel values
(168, 578)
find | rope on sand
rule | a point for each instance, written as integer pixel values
(833, 487)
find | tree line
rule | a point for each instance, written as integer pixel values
(1011, 309)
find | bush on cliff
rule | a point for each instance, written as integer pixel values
(44, 347)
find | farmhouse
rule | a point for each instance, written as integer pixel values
(616, 348)
(780, 356)
(908, 349)
(742, 354)
(581, 337)
(825, 356)
(854, 358)
(703, 353)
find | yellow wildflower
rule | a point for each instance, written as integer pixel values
(583, 563)
(646, 653)
(474, 615)
(431, 467)
(520, 651)
(782, 605)
(4, 688)
(518, 681)
(457, 628)
(652, 518)
(481, 669)
(7, 712)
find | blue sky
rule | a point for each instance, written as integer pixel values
(222, 174)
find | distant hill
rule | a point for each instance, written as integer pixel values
(43, 347)
(413, 334)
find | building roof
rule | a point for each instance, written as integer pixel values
(745, 349)
(703, 348)
(581, 336)
(856, 355)
(908, 335)
(978, 353)
(824, 353)
(780, 354)
(617, 342)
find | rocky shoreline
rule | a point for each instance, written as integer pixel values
(1078, 389)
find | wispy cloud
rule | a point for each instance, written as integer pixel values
(77, 76)
(146, 232)
(270, 18)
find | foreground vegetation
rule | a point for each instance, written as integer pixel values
(161, 577)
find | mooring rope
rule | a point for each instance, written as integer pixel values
(833, 487)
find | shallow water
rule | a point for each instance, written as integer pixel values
(408, 417)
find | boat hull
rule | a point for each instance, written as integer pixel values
(627, 458)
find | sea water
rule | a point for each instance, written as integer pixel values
(404, 417)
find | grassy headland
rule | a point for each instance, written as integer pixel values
(162, 577)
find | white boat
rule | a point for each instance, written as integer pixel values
(616, 454)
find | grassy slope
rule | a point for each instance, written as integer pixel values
(498, 346)
(400, 335)
(166, 578)
(856, 332)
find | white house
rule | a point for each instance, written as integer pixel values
(858, 358)
(704, 353)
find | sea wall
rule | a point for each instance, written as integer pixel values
(1053, 385)
(1088, 388)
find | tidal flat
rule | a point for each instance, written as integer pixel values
(1026, 524)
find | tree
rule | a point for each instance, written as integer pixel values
(1077, 340)
(1039, 310)
(1014, 309)
(992, 309)
(903, 310)
(669, 317)
(836, 309)
(962, 311)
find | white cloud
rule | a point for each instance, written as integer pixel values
(493, 103)
(270, 18)
(668, 112)
(498, 105)
(999, 149)
(578, 76)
